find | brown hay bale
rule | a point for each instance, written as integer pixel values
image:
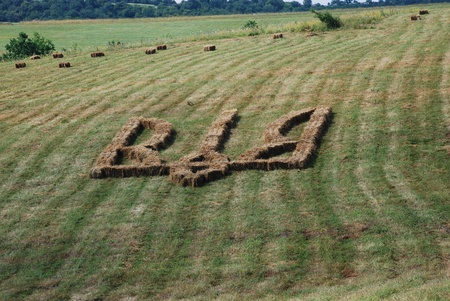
(423, 12)
(209, 48)
(97, 54)
(150, 51)
(35, 57)
(161, 47)
(64, 65)
(278, 36)
(415, 18)
(58, 55)
(20, 65)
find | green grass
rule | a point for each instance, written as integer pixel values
(369, 220)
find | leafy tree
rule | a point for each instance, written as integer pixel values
(23, 46)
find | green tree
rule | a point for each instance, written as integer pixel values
(23, 46)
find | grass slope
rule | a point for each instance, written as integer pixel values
(368, 221)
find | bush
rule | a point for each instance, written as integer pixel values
(253, 27)
(327, 18)
(23, 46)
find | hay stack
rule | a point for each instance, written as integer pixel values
(150, 51)
(161, 47)
(58, 55)
(20, 65)
(209, 48)
(415, 18)
(423, 12)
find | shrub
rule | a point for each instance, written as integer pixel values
(327, 18)
(253, 27)
(23, 46)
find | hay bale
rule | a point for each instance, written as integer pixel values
(278, 36)
(57, 55)
(423, 12)
(35, 57)
(97, 54)
(150, 51)
(64, 65)
(161, 47)
(415, 18)
(209, 48)
(20, 65)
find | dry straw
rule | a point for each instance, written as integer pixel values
(144, 155)
(64, 65)
(97, 54)
(208, 163)
(209, 48)
(21, 65)
(278, 36)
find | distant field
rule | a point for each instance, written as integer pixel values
(369, 219)
(97, 33)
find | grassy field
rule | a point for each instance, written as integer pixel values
(368, 220)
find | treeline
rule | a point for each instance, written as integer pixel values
(26, 10)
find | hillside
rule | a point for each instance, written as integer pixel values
(368, 219)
